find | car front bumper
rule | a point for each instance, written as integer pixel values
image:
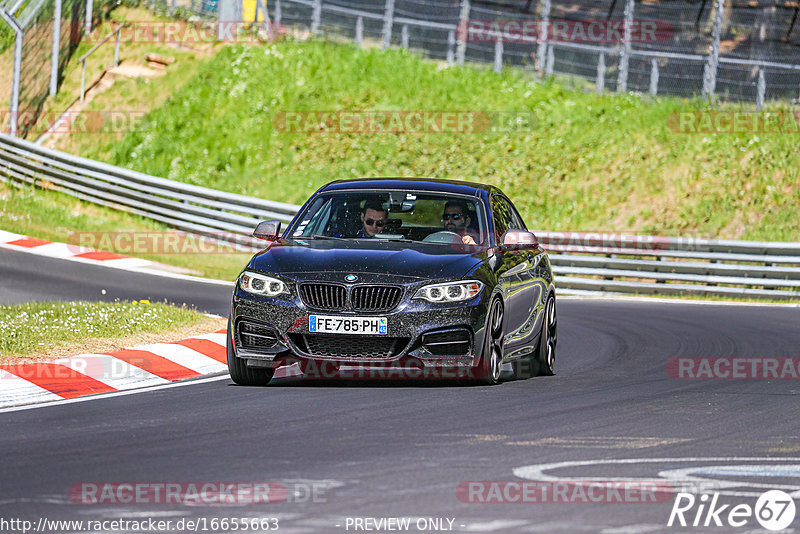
(419, 335)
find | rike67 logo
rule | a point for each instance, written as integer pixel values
(774, 510)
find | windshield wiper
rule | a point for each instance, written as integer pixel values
(304, 238)
(396, 239)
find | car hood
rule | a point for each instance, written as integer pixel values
(423, 261)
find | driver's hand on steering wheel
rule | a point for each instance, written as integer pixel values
(467, 240)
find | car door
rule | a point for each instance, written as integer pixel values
(513, 274)
(534, 283)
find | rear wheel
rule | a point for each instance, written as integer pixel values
(488, 372)
(240, 373)
(548, 339)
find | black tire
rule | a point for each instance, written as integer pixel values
(546, 352)
(240, 373)
(490, 368)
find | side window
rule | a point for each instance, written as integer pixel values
(519, 224)
(503, 216)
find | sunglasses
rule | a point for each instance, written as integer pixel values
(372, 222)
(454, 216)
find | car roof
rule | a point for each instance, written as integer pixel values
(421, 184)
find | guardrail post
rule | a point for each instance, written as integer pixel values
(498, 55)
(451, 43)
(404, 37)
(544, 30)
(625, 51)
(316, 16)
(278, 14)
(712, 63)
(653, 77)
(600, 83)
(461, 52)
(762, 89)
(359, 31)
(388, 22)
(551, 59)
(56, 46)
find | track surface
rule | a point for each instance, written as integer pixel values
(402, 449)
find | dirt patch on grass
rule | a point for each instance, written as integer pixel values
(103, 345)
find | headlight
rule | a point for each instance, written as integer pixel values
(260, 284)
(449, 292)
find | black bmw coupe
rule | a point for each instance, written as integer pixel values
(410, 277)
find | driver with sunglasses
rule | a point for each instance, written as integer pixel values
(456, 219)
(373, 219)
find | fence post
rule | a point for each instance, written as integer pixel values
(462, 35)
(229, 18)
(15, 76)
(710, 70)
(600, 83)
(653, 77)
(56, 47)
(544, 32)
(451, 43)
(404, 36)
(762, 89)
(83, 80)
(625, 52)
(88, 22)
(316, 16)
(498, 55)
(388, 22)
(551, 58)
(277, 14)
(359, 31)
(116, 49)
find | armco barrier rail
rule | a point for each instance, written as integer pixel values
(187, 207)
(613, 263)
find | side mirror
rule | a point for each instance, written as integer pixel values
(269, 230)
(520, 240)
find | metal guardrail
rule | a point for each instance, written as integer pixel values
(614, 263)
(186, 207)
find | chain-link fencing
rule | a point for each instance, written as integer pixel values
(734, 50)
(42, 36)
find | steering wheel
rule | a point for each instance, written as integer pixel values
(443, 236)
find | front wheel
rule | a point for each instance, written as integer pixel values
(240, 373)
(546, 353)
(488, 371)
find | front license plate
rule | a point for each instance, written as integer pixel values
(330, 324)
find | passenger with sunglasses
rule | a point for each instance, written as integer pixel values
(373, 219)
(456, 219)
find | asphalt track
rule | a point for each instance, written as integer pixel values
(388, 449)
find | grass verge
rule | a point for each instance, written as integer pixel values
(56, 329)
(589, 162)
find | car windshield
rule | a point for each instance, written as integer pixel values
(409, 216)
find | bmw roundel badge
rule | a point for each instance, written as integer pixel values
(350, 278)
